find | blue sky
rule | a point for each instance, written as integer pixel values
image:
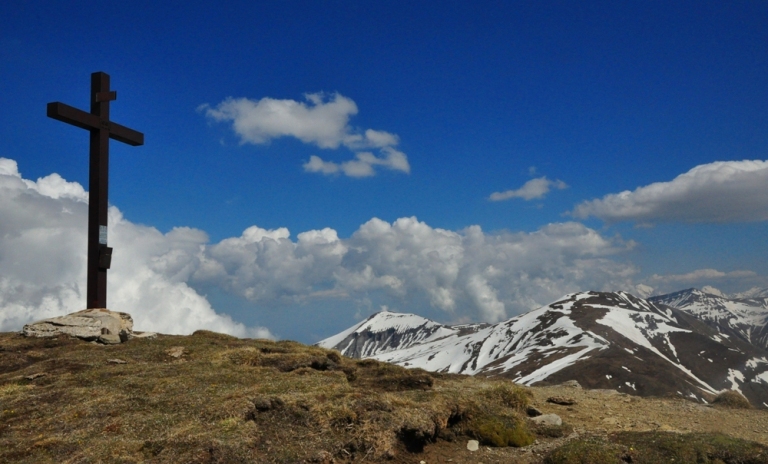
(460, 160)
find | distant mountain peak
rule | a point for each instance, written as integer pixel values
(743, 318)
(385, 331)
(754, 292)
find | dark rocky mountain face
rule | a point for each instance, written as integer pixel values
(603, 340)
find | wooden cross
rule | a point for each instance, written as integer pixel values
(102, 129)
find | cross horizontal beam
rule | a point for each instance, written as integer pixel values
(71, 115)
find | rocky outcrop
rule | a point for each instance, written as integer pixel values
(96, 324)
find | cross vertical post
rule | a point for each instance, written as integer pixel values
(98, 181)
(101, 130)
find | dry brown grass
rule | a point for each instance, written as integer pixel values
(231, 400)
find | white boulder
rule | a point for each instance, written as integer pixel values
(96, 324)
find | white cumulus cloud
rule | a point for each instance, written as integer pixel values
(42, 262)
(468, 274)
(531, 190)
(724, 191)
(323, 120)
(404, 265)
(362, 165)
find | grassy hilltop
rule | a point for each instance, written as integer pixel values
(212, 398)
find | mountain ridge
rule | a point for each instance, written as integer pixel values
(608, 340)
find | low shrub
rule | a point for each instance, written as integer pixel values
(501, 431)
(213, 335)
(244, 357)
(509, 394)
(389, 377)
(732, 399)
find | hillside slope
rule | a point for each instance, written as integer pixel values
(211, 398)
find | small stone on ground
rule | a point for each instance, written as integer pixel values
(533, 411)
(548, 419)
(175, 352)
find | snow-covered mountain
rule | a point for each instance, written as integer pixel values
(754, 292)
(603, 340)
(744, 317)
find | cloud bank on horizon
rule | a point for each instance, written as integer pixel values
(322, 121)
(724, 191)
(468, 274)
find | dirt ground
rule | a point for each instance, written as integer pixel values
(601, 412)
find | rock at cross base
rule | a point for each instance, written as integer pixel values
(96, 324)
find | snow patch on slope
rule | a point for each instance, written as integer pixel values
(497, 349)
(733, 376)
(638, 331)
